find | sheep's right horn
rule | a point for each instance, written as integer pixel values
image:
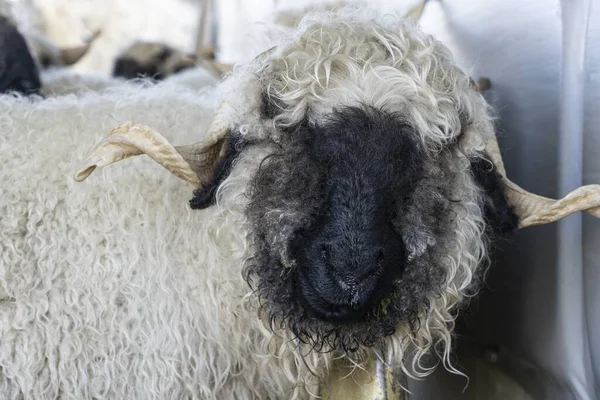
(194, 163)
(128, 140)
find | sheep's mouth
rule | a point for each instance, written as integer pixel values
(350, 307)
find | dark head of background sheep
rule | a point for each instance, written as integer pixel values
(369, 181)
(20, 61)
(150, 59)
(18, 71)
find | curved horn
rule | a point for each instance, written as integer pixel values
(191, 163)
(128, 140)
(535, 210)
(538, 210)
(71, 55)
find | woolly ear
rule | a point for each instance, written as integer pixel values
(498, 213)
(204, 164)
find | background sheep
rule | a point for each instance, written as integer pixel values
(18, 71)
(151, 59)
(33, 25)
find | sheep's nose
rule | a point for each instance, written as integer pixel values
(337, 299)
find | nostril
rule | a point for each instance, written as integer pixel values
(379, 260)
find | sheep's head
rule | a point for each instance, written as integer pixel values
(377, 182)
(150, 59)
(343, 211)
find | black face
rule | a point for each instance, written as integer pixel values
(328, 209)
(18, 71)
(156, 66)
(352, 222)
(348, 258)
(129, 68)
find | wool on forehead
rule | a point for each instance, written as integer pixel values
(357, 56)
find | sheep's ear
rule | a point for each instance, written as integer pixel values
(204, 164)
(498, 213)
(215, 163)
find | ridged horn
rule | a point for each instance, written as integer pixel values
(416, 12)
(533, 209)
(192, 163)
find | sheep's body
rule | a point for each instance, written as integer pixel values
(62, 81)
(114, 288)
(121, 292)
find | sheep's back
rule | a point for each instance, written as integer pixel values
(114, 287)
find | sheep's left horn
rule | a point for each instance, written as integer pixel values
(535, 210)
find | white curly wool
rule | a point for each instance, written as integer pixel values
(114, 288)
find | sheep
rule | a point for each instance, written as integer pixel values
(347, 189)
(18, 71)
(46, 52)
(117, 25)
(157, 60)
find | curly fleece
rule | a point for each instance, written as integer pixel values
(115, 288)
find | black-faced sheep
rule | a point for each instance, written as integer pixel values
(158, 61)
(363, 162)
(18, 71)
(152, 60)
(351, 176)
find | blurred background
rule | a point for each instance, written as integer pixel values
(534, 331)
